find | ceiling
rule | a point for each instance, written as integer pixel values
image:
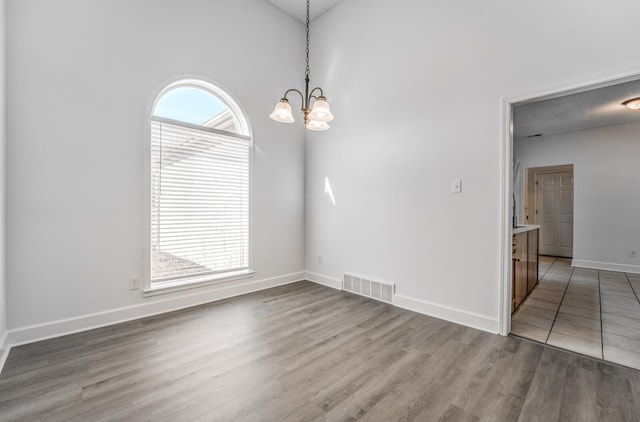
(298, 8)
(580, 111)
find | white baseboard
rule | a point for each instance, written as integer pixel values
(446, 313)
(608, 266)
(33, 333)
(457, 316)
(4, 349)
(4, 341)
(334, 283)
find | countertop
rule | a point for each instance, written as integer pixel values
(525, 228)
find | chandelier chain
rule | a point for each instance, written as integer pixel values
(306, 73)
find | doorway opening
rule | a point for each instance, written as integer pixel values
(586, 277)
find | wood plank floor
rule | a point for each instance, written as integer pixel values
(304, 352)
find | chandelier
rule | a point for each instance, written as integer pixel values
(316, 117)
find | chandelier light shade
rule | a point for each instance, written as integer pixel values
(632, 104)
(321, 111)
(315, 108)
(282, 113)
(317, 126)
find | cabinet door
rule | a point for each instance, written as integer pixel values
(532, 259)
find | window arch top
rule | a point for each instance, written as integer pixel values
(198, 103)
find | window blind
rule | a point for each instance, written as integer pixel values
(199, 201)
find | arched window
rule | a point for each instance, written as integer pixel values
(199, 185)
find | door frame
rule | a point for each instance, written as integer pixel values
(506, 180)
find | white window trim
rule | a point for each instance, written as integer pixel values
(153, 289)
(171, 286)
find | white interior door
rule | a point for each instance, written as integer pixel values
(554, 213)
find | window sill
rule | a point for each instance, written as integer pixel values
(195, 282)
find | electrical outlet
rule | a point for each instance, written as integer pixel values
(134, 283)
(633, 254)
(320, 259)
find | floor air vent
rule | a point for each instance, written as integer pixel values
(365, 286)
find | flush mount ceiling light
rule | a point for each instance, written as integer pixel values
(316, 117)
(632, 104)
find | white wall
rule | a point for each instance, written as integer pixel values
(81, 77)
(416, 88)
(3, 287)
(606, 190)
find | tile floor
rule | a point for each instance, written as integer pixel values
(592, 312)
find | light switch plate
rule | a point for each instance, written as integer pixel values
(456, 186)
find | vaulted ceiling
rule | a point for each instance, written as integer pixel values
(298, 8)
